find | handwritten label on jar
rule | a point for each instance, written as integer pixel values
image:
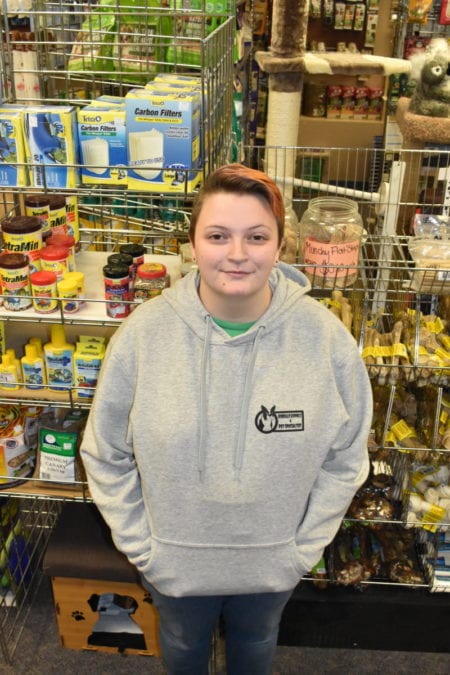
(344, 254)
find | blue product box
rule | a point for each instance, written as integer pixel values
(163, 140)
(51, 142)
(102, 139)
(13, 170)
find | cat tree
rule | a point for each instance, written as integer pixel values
(286, 62)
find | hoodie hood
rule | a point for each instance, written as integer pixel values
(287, 286)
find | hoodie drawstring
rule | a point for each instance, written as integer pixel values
(201, 457)
(240, 446)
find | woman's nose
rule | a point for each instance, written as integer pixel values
(237, 249)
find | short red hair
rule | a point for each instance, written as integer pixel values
(241, 180)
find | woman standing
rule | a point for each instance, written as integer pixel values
(229, 432)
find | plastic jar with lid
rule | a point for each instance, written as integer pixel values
(117, 290)
(151, 280)
(37, 205)
(68, 294)
(23, 234)
(14, 274)
(44, 291)
(331, 231)
(137, 251)
(57, 218)
(122, 259)
(78, 278)
(68, 241)
(55, 259)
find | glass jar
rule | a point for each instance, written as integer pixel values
(331, 230)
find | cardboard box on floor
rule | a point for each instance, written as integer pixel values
(100, 602)
(107, 616)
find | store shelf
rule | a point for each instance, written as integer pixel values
(377, 618)
(41, 489)
(333, 63)
(328, 132)
(94, 311)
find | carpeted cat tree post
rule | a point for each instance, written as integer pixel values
(417, 132)
(284, 64)
(286, 61)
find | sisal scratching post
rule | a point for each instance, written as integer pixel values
(284, 63)
(417, 131)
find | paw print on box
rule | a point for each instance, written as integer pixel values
(78, 616)
(148, 598)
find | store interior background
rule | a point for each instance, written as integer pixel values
(350, 140)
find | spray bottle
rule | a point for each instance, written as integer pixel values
(58, 355)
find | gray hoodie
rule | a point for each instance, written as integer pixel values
(225, 464)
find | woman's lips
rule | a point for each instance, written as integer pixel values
(239, 273)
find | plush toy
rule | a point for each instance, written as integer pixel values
(432, 93)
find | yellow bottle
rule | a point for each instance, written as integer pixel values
(58, 355)
(87, 359)
(33, 368)
(16, 362)
(8, 373)
(37, 342)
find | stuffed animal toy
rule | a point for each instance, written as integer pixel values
(432, 93)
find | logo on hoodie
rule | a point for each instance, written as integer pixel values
(267, 420)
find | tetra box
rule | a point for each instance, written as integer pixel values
(163, 140)
(102, 138)
(52, 146)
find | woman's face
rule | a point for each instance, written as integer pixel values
(236, 247)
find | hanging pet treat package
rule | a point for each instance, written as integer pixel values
(331, 231)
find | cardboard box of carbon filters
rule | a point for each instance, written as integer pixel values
(102, 138)
(163, 140)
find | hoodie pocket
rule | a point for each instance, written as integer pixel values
(188, 569)
(305, 558)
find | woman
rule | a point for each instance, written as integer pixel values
(229, 432)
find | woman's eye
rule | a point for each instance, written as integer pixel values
(216, 236)
(258, 237)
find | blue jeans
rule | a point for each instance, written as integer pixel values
(251, 630)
